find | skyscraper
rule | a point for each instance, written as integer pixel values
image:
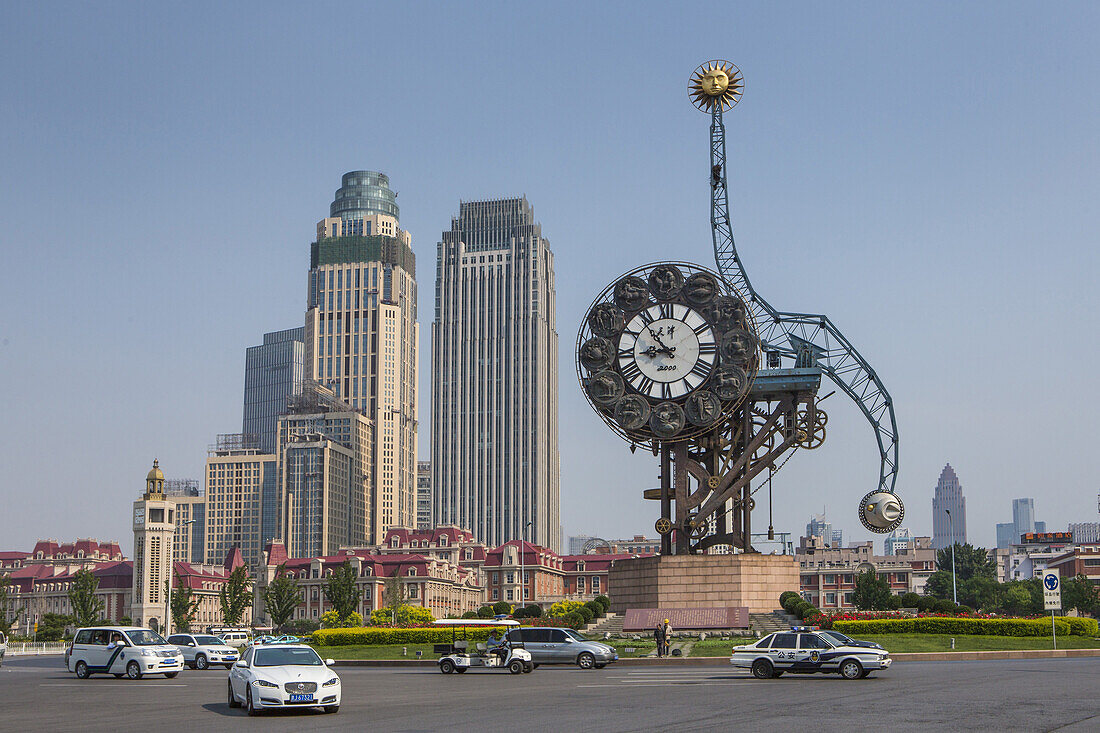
(1006, 534)
(948, 497)
(240, 497)
(1023, 516)
(273, 371)
(818, 527)
(361, 333)
(423, 494)
(495, 376)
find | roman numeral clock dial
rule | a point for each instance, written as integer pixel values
(665, 352)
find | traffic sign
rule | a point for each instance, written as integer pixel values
(1052, 591)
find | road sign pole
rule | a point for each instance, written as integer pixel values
(1053, 631)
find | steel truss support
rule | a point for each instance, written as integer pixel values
(809, 339)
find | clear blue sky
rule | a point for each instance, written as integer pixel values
(926, 174)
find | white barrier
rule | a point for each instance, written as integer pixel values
(27, 648)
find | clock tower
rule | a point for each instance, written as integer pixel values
(154, 531)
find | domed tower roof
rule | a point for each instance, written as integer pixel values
(154, 482)
(155, 473)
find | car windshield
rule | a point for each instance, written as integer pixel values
(574, 635)
(144, 637)
(278, 657)
(208, 640)
(837, 635)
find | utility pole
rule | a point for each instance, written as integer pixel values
(951, 530)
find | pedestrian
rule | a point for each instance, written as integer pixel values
(661, 637)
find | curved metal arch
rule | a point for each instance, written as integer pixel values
(810, 339)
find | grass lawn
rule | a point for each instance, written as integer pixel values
(975, 643)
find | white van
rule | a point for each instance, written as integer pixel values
(122, 650)
(234, 637)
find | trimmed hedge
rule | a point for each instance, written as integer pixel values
(1082, 626)
(961, 626)
(380, 635)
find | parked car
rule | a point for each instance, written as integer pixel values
(550, 645)
(201, 650)
(3, 647)
(122, 650)
(283, 676)
(805, 651)
(232, 636)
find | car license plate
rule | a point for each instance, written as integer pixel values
(301, 698)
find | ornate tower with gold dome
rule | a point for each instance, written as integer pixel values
(154, 530)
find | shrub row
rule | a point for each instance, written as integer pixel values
(962, 626)
(377, 635)
(1082, 626)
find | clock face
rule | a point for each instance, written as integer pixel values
(667, 351)
(139, 515)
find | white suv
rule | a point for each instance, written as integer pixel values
(122, 650)
(3, 647)
(202, 650)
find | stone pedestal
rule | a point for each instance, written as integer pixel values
(702, 581)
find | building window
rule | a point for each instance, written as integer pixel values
(496, 594)
(508, 595)
(830, 578)
(830, 599)
(595, 584)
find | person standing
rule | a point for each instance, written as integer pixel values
(660, 635)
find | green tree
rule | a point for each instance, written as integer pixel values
(9, 612)
(184, 605)
(281, 597)
(1079, 593)
(502, 607)
(342, 591)
(333, 620)
(235, 596)
(87, 608)
(981, 592)
(393, 592)
(872, 593)
(970, 562)
(51, 627)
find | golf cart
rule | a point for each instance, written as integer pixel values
(457, 657)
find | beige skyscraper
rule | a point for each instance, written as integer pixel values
(361, 336)
(495, 377)
(154, 528)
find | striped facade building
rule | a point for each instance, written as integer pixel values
(495, 377)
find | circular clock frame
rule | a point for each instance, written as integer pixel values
(666, 352)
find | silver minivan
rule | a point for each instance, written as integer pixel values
(550, 645)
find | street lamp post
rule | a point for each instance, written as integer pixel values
(522, 566)
(171, 569)
(951, 531)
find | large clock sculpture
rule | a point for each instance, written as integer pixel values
(698, 367)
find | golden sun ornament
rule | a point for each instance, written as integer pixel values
(716, 83)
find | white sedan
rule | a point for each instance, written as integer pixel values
(283, 676)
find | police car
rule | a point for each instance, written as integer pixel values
(804, 650)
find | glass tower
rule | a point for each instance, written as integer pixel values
(948, 497)
(273, 371)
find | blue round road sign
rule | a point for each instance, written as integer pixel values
(1051, 582)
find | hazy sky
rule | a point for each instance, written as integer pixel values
(924, 173)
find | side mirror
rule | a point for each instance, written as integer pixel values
(240, 664)
(190, 643)
(330, 662)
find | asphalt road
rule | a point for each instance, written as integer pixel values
(37, 694)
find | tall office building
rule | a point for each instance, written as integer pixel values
(273, 371)
(189, 543)
(495, 465)
(423, 494)
(361, 333)
(818, 527)
(898, 540)
(1006, 534)
(327, 500)
(948, 497)
(1023, 516)
(1085, 532)
(240, 486)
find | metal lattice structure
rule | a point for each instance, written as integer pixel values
(810, 339)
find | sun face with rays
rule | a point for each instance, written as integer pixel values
(716, 83)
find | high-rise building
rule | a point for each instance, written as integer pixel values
(1007, 534)
(326, 494)
(818, 527)
(1023, 516)
(154, 530)
(495, 465)
(240, 485)
(1085, 532)
(188, 545)
(361, 333)
(899, 539)
(423, 495)
(836, 537)
(273, 371)
(948, 530)
(1040, 527)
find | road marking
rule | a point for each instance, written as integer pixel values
(671, 684)
(89, 686)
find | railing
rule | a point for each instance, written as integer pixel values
(19, 648)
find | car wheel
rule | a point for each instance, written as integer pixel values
(851, 670)
(133, 671)
(233, 698)
(460, 670)
(332, 709)
(600, 666)
(777, 674)
(229, 666)
(586, 660)
(249, 705)
(170, 675)
(762, 669)
(516, 667)
(200, 662)
(866, 674)
(446, 666)
(528, 668)
(82, 671)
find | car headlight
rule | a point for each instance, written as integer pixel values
(147, 653)
(333, 681)
(265, 683)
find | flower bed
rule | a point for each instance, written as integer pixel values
(953, 625)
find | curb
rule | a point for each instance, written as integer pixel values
(711, 661)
